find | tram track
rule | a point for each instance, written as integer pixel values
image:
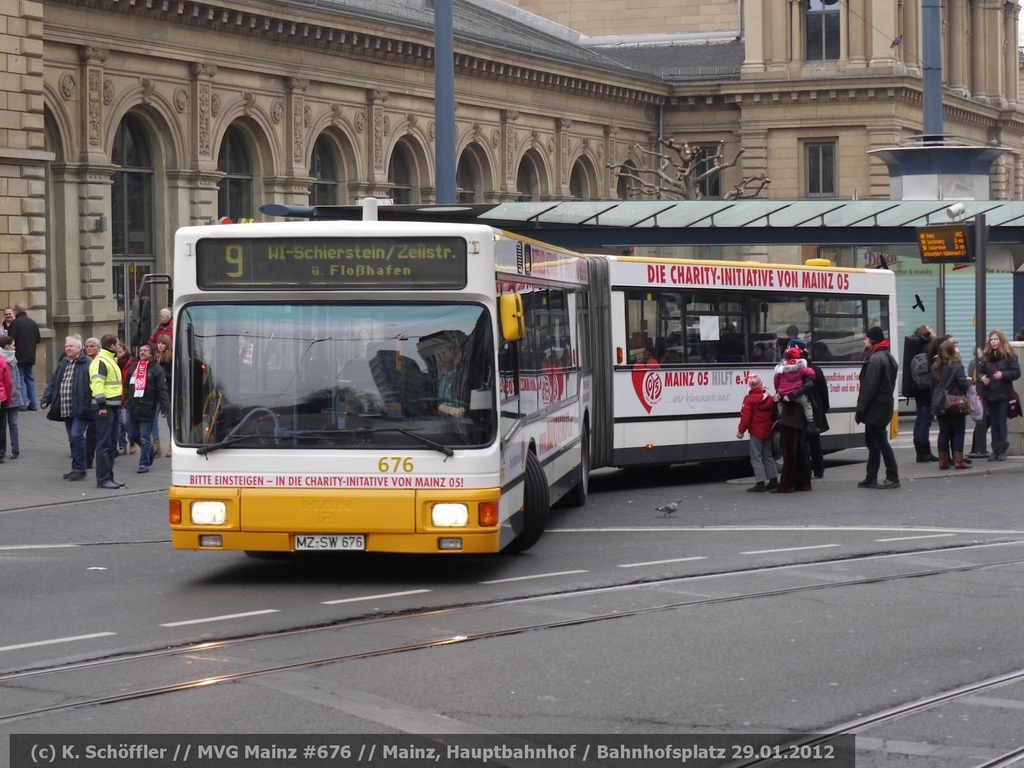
(202, 652)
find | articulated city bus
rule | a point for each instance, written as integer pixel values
(375, 386)
(677, 340)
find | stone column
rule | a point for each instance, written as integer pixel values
(509, 150)
(754, 50)
(608, 177)
(858, 33)
(911, 50)
(379, 127)
(1010, 55)
(295, 102)
(562, 144)
(956, 40)
(976, 45)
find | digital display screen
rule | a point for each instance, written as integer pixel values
(318, 264)
(946, 243)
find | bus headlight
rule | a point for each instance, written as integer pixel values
(450, 515)
(208, 512)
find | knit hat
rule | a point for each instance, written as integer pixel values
(876, 334)
(794, 353)
(796, 343)
(754, 382)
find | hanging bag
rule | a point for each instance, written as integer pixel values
(955, 404)
(1015, 408)
(974, 405)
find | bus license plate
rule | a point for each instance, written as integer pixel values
(329, 542)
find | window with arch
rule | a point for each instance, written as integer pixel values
(623, 183)
(324, 171)
(579, 184)
(821, 27)
(467, 179)
(528, 181)
(234, 193)
(131, 197)
(400, 176)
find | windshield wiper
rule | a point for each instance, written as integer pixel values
(209, 447)
(440, 448)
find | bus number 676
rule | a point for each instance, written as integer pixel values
(394, 463)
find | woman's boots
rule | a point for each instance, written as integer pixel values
(960, 462)
(943, 459)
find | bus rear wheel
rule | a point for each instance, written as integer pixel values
(536, 506)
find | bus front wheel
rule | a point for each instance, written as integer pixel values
(536, 505)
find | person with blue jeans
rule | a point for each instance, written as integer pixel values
(107, 391)
(25, 332)
(69, 394)
(145, 390)
(997, 370)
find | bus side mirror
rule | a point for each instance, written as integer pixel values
(513, 319)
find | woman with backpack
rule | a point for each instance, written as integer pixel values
(918, 385)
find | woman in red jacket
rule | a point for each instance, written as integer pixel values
(757, 415)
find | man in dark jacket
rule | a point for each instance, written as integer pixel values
(68, 392)
(875, 405)
(25, 333)
(144, 388)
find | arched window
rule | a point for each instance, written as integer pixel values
(821, 23)
(324, 170)
(579, 185)
(131, 197)
(400, 176)
(528, 181)
(234, 193)
(624, 181)
(468, 179)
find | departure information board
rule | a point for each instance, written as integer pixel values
(946, 243)
(318, 263)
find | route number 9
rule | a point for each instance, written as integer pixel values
(233, 255)
(394, 463)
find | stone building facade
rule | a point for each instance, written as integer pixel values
(122, 120)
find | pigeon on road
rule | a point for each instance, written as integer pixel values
(668, 509)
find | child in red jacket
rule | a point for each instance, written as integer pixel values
(757, 415)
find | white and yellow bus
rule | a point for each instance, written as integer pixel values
(375, 386)
(677, 340)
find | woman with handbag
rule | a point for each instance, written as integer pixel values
(949, 404)
(998, 369)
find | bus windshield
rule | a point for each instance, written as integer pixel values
(339, 376)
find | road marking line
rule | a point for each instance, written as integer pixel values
(660, 562)
(375, 597)
(37, 546)
(57, 640)
(778, 528)
(534, 576)
(910, 538)
(788, 549)
(225, 617)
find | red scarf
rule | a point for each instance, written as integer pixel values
(140, 378)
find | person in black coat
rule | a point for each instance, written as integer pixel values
(875, 405)
(25, 333)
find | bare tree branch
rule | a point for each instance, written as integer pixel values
(679, 171)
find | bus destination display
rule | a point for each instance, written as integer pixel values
(946, 243)
(316, 264)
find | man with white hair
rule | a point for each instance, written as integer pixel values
(164, 327)
(69, 394)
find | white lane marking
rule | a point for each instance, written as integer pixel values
(375, 597)
(788, 549)
(660, 562)
(910, 538)
(14, 547)
(781, 528)
(57, 640)
(225, 617)
(534, 576)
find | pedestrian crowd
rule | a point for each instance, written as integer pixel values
(110, 403)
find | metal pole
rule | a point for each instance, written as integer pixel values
(444, 102)
(978, 442)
